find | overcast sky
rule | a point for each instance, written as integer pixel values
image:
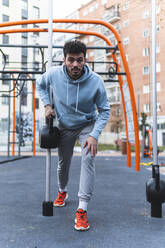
(64, 7)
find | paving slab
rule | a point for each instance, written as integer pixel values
(118, 212)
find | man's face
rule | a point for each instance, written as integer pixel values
(74, 64)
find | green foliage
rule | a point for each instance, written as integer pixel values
(143, 121)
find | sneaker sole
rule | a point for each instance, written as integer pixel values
(62, 205)
(81, 228)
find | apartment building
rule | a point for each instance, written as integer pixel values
(132, 19)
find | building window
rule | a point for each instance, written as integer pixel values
(5, 39)
(146, 89)
(127, 57)
(24, 40)
(24, 62)
(36, 65)
(96, 6)
(5, 3)
(36, 12)
(126, 41)
(158, 86)
(145, 70)
(4, 124)
(5, 79)
(5, 60)
(158, 67)
(146, 14)
(158, 107)
(126, 23)
(24, 35)
(91, 9)
(145, 51)
(158, 9)
(146, 108)
(85, 12)
(117, 26)
(24, 14)
(5, 18)
(158, 48)
(162, 126)
(125, 6)
(5, 99)
(146, 33)
(157, 28)
(36, 33)
(24, 5)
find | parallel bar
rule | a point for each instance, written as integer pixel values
(42, 46)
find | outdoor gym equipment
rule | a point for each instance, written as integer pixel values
(49, 135)
(155, 192)
(125, 82)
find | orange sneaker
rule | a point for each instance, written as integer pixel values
(81, 223)
(60, 200)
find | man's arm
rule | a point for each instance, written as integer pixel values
(103, 107)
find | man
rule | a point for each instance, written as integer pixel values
(82, 111)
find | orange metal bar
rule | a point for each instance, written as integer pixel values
(150, 143)
(110, 27)
(125, 116)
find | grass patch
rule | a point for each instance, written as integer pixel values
(102, 147)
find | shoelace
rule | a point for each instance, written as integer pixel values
(81, 215)
(60, 197)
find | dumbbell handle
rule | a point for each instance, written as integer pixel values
(49, 122)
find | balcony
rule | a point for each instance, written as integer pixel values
(112, 13)
(112, 16)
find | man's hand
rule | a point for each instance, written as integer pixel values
(91, 144)
(49, 111)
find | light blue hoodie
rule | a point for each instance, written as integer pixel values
(77, 102)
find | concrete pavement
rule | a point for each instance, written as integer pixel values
(118, 212)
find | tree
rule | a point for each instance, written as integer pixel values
(143, 122)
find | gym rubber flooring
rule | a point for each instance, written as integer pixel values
(118, 212)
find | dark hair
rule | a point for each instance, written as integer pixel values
(74, 47)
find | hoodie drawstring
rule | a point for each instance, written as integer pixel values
(67, 94)
(77, 97)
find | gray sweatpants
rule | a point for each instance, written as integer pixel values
(65, 152)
